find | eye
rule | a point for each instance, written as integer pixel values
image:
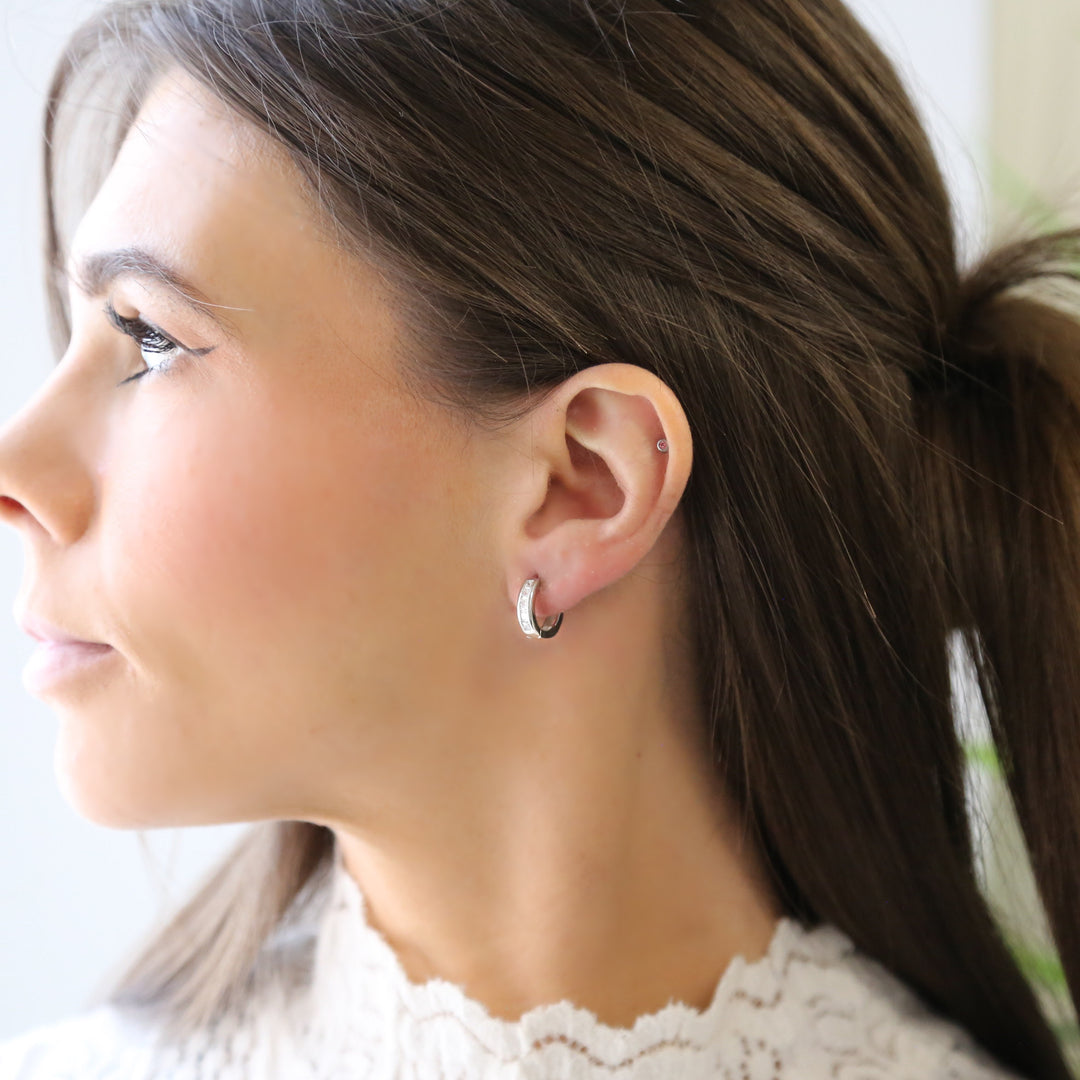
(151, 341)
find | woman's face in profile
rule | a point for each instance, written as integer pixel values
(268, 530)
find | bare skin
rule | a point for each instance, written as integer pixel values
(309, 579)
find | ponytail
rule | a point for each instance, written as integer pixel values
(1000, 476)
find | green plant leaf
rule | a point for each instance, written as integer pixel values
(983, 755)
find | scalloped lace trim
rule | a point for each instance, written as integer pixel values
(374, 970)
(334, 1003)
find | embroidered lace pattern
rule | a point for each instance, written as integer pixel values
(334, 1003)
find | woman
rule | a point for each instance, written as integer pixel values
(530, 460)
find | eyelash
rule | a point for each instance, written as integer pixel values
(148, 337)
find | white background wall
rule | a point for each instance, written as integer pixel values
(75, 896)
(943, 49)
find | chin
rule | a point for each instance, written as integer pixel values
(97, 806)
(97, 791)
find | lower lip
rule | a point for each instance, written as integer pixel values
(52, 664)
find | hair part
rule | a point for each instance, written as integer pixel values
(740, 198)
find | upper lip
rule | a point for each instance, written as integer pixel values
(42, 630)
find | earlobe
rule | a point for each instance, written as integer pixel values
(614, 450)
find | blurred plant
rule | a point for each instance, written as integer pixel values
(1004, 869)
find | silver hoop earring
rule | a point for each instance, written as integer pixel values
(527, 615)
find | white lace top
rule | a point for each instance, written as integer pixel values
(332, 1002)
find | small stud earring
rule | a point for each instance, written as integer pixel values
(662, 446)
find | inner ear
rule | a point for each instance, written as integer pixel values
(600, 495)
(582, 488)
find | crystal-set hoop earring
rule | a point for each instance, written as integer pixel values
(527, 615)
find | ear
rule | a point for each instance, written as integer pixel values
(592, 491)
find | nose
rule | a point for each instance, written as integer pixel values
(46, 486)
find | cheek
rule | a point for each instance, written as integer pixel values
(237, 517)
(273, 566)
(259, 546)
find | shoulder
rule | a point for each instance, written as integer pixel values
(851, 1014)
(94, 1044)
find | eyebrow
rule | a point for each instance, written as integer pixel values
(93, 274)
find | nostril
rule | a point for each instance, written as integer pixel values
(9, 507)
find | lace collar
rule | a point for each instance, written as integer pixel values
(332, 1002)
(363, 1004)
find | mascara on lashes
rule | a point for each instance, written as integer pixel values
(149, 338)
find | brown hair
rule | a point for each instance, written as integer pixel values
(739, 197)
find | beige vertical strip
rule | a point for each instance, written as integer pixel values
(1035, 111)
(1034, 173)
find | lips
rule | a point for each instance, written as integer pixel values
(56, 667)
(42, 630)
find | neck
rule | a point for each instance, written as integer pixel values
(603, 869)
